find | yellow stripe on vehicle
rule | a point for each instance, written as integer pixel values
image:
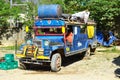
(20, 55)
(35, 53)
(42, 57)
(24, 50)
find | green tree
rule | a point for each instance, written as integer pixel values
(106, 13)
(5, 13)
(12, 12)
(73, 6)
(31, 13)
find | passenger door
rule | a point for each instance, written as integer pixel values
(80, 39)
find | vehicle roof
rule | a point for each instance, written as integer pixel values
(52, 22)
(79, 23)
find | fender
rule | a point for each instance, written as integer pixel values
(55, 47)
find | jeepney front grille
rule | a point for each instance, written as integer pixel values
(30, 51)
(29, 55)
(40, 52)
(37, 43)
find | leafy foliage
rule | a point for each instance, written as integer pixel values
(31, 12)
(8, 12)
(106, 13)
(5, 13)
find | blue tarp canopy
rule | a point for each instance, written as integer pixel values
(105, 41)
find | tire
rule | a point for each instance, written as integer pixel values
(56, 62)
(24, 66)
(92, 51)
(87, 53)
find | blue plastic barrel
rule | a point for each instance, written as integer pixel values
(49, 11)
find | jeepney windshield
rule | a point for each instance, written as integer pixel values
(42, 31)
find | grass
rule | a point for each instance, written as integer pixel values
(10, 47)
(112, 49)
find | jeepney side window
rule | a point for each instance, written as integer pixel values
(40, 31)
(49, 31)
(69, 34)
(59, 30)
(83, 29)
(69, 28)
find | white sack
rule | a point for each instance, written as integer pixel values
(84, 15)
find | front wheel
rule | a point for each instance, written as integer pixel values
(87, 53)
(24, 66)
(92, 50)
(56, 62)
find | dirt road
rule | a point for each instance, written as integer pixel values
(102, 66)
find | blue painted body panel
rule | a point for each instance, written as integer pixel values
(55, 47)
(49, 37)
(80, 39)
(49, 23)
(53, 39)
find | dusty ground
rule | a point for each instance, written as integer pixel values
(102, 66)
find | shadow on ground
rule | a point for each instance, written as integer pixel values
(67, 61)
(34, 67)
(117, 62)
(117, 72)
(72, 59)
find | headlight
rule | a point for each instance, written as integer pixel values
(46, 43)
(29, 42)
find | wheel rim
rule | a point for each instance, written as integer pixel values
(58, 63)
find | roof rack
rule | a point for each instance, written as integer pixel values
(74, 22)
(79, 23)
(67, 20)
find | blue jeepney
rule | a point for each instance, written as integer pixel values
(50, 45)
